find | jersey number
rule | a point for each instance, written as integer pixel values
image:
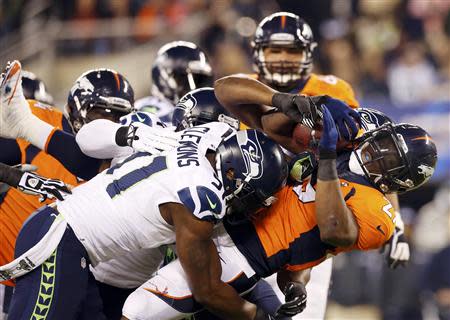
(131, 178)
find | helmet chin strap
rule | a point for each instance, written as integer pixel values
(353, 163)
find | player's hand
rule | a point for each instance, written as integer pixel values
(295, 297)
(329, 138)
(298, 108)
(345, 117)
(154, 140)
(32, 183)
(14, 109)
(397, 250)
(302, 165)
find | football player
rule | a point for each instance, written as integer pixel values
(179, 196)
(99, 93)
(326, 214)
(283, 47)
(179, 67)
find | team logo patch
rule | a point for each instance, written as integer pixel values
(253, 156)
(425, 170)
(187, 103)
(84, 85)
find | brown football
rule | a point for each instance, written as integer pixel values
(308, 139)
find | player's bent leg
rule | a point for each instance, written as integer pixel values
(61, 287)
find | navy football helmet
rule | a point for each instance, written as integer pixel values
(99, 93)
(180, 67)
(287, 30)
(34, 88)
(198, 107)
(372, 118)
(397, 158)
(252, 168)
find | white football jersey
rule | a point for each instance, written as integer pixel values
(117, 211)
(163, 108)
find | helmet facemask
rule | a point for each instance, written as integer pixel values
(381, 154)
(283, 73)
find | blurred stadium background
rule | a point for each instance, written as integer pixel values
(395, 54)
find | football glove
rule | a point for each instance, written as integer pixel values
(295, 297)
(298, 108)
(32, 183)
(344, 117)
(396, 249)
(143, 138)
(329, 138)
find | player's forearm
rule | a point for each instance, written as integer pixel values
(286, 276)
(334, 219)
(245, 97)
(97, 139)
(224, 301)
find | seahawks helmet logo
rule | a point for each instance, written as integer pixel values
(187, 103)
(252, 155)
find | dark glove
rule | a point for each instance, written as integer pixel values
(396, 250)
(295, 297)
(345, 117)
(329, 138)
(34, 184)
(302, 165)
(298, 108)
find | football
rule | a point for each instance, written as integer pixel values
(308, 139)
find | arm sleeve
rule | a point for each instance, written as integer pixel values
(97, 139)
(63, 146)
(10, 152)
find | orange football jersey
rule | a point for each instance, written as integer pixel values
(15, 206)
(286, 235)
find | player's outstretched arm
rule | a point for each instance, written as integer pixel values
(336, 222)
(32, 183)
(247, 98)
(200, 261)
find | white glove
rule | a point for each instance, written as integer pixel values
(16, 119)
(13, 105)
(32, 183)
(397, 248)
(154, 140)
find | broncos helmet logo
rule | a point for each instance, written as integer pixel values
(84, 85)
(253, 157)
(425, 170)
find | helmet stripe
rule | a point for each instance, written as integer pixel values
(116, 76)
(423, 138)
(283, 22)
